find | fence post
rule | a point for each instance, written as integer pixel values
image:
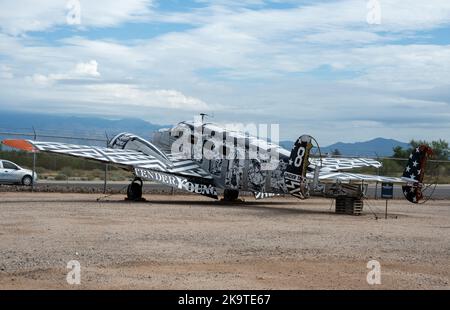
(376, 190)
(34, 162)
(106, 166)
(378, 173)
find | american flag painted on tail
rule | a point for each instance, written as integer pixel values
(414, 172)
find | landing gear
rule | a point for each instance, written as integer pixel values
(134, 191)
(230, 195)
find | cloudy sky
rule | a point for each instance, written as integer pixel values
(346, 70)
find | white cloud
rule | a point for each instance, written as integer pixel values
(109, 13)
(396, 16)
(262, 63)
(339, 37)
(21, 16)
(41, 80)
(87, 69)
(5, 72)
(126, 95)
(253, 44)
(398, 67)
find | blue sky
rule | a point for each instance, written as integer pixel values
(316, 67)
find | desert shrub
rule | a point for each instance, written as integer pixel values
(60, 177)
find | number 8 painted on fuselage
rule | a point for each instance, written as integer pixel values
(299, 159)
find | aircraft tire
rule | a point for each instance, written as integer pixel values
(134, 191)
(230, 194)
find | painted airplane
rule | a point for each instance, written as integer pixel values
(202, 158)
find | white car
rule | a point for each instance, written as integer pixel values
(10, 173)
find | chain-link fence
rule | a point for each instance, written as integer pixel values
(55, 167)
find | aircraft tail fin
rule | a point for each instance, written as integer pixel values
(295, 174)
(414, 173)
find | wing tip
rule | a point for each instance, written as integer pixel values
(20, 144)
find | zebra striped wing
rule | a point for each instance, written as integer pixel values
(120, 157)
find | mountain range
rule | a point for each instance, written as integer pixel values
(83, 127)
(378, 147)
(96, 127)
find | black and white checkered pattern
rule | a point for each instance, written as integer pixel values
(346, 177)
(336, 164)
(124, 157)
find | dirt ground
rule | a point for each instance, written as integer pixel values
(191, 242)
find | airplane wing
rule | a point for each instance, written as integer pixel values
(346, 177)
(120, 157)
(330, 164)
(174, 172)
(330, 172)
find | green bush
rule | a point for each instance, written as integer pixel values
(60, 177)
(67, 171)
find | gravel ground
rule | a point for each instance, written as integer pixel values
(191, 242)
